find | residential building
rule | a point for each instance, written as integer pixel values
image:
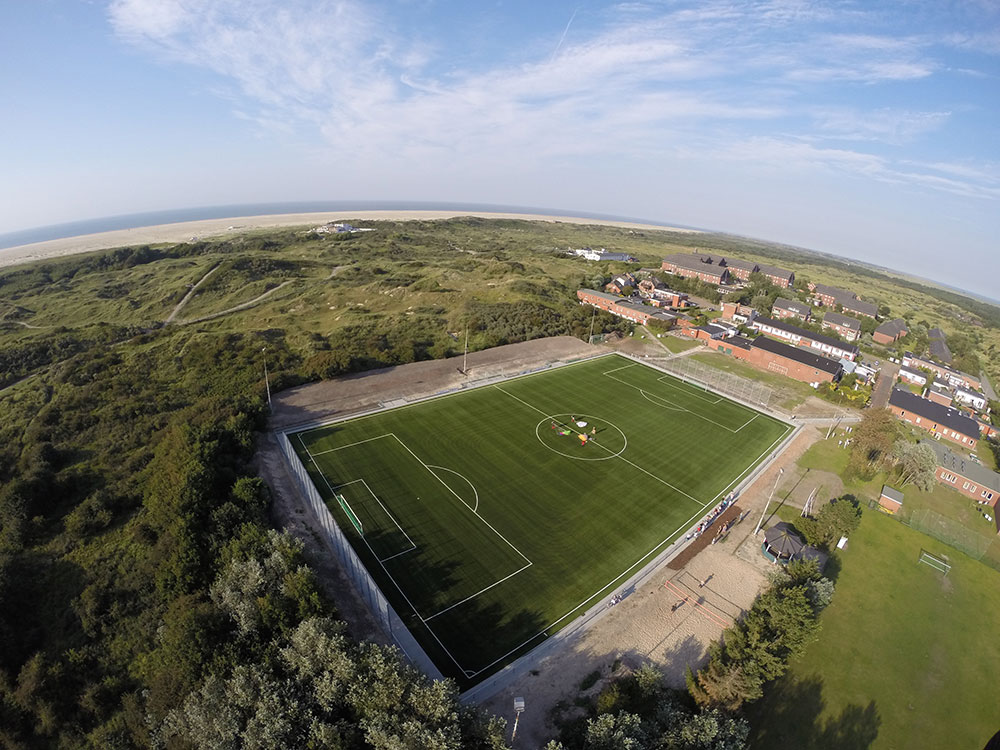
(953, 376)
(710, 331)
(741, 269)
(619, 283)
(938, 349)
(737, 312)
(964, 475)
(849, 328)
(828, 296)
(971, 398)
(938, 419)
(624, 308)
(701, 267)
(778, 276)
(800, 336)
(939, 393)
(913, 376)
(789, 308)
(800, 364)
(858, 307)
(890, 332)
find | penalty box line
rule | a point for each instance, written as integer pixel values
(402, 531)
(599, 445)
(392, 579)
(682, 408)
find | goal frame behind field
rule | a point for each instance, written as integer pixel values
(938, 562)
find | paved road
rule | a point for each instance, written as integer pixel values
(883, 386)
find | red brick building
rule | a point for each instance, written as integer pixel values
(848, 328)
(703, 267)
(778, 276)
(800, 336)
(790, 308)
(964, 475)
(791, 361)
(624, 308)
(890, 332)
(937, 419)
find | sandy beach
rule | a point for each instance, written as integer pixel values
(187, 230)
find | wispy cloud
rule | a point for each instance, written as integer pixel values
(652, 79)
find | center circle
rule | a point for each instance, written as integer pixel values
(563, 420)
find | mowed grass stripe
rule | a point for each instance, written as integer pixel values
(581, 523)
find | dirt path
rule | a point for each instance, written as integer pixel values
(190, 294)
(242, 306)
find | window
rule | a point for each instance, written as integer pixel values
(965, 486)
(987, 494)
(973, 488)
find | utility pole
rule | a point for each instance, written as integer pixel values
(267, 383)
(465, 357)
(518, 710)
(593, 315)
(769, 498)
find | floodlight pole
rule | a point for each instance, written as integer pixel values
(465, 357)
(518, 710)
(592, 317)
(769, 498)
(267, 383)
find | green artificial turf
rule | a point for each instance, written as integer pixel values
(906, 657)
(489, 530)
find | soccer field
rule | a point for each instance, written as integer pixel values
(489, 523)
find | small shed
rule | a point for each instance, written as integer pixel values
(891, 500)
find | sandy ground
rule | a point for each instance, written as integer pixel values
(187, 230)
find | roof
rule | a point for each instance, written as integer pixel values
(938, 348)
(893, 328)
(746, 265)
(782, 538)
(835, 318)
(832, 291)
(704, 263)
(806, 334)
(940, 414)
(857, 305)
(911, 371)
(892, 494)
(741, 342)
(965, 467)
(781, 273)
(794, 305)
(794, 353)
(936, 333)
(603, 295)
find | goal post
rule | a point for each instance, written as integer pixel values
(938, 562)
(351, 515)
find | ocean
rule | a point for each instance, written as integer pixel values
(153, 218)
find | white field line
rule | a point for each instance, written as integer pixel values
(474, 509)
(753, 463)
(666, 380)
(600, 591)
(389, 575)
(488, 524)
(313, 427)
(351, 445)
(473, 596)
(619, 456)
(683, 408)
(371, 492)
(650, 396)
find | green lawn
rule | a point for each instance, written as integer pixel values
(676, 344)
(906, 658)
(489, 530)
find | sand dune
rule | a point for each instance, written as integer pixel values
(183, 231)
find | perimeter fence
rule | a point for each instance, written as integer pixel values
(352, 565)
(728, 383)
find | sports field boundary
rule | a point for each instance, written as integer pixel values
(383, 611)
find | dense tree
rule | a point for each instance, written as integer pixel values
(871, 443)
(916, 464)
(835, 519)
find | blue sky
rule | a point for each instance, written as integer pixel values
(866, 129)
